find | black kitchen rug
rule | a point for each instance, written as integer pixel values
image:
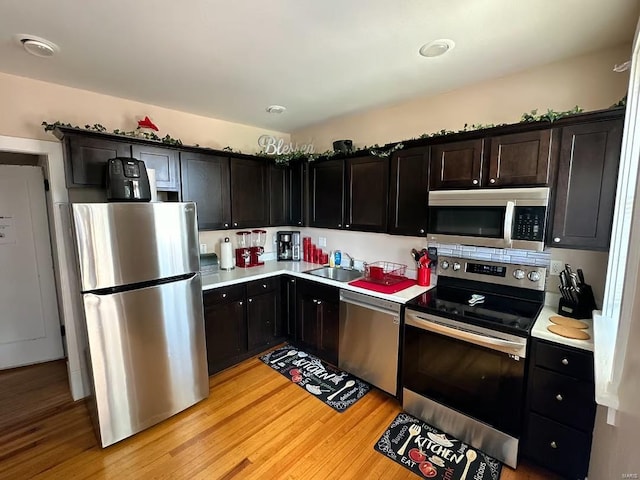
(336, 388)
(430, 453)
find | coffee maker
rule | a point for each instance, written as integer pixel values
(258, 239)
(243, 250)
(289, 246)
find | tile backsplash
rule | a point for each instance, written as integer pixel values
(507, 255)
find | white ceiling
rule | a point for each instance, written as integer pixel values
(231, 59)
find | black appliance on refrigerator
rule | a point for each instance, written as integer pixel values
(127, 181)
(289, 246)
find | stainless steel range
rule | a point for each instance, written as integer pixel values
(465, 349)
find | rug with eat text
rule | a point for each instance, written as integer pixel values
(334, 387)
(431, 453)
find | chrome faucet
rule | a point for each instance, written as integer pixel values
(351, 261)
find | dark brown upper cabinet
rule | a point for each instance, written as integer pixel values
(326, 193)
(165, 162)
(408, 192)
(249, 192)
(87, 159)
(367, 194)
(520, 159)
(286, 190)
(457, 165)
(205, 180)
(509, 160)
(586, 185)
(349, 193)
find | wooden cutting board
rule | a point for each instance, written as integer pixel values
(567, 322)
(569, 332)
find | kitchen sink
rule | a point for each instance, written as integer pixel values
(338, 274)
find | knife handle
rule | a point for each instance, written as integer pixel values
(581, 276)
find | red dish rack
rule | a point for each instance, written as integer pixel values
(385, 273)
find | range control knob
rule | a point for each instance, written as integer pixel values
(519, 274)
(534, 276)
(456, 266)
(444, 264)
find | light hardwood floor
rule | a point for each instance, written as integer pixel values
(255, 425)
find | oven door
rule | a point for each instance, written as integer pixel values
(478, 373)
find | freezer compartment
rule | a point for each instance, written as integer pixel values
(148, 355)
(128, 243)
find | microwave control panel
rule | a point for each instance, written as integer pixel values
(528, 223)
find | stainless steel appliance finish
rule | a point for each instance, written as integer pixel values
(127, 243)
(465, 348)
(475, 433)
(369, 339)
(503, 218)
(148, 355)
(142, 295)
(484, 337)
(288, 246)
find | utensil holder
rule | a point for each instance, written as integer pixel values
(581, 309)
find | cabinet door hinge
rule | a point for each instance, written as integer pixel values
(46, 185)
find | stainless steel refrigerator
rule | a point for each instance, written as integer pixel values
(142, 296)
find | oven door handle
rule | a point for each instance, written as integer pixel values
(508, 222)
(505, 346)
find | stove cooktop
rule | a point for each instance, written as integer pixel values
(498, 312)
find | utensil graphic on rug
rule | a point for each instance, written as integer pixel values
(349, 384)
(413, 431)
(471, 456)
(290, 353)
(315, 389)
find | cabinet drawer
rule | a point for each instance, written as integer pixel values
(563, 360)
(563, 398)
(224, 294)
(557, 447)
(262, 286)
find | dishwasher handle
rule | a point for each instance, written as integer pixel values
(371, 306)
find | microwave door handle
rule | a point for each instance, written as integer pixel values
(508, 222)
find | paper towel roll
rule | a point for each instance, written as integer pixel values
(226, 255)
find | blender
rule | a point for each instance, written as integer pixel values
(243, 250)
(258, 240)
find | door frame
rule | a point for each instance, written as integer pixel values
(65, 270)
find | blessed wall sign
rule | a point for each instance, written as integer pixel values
(277, 146)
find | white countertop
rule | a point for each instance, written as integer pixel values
(542, 322)
(297, 269)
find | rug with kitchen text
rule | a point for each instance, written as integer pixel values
(336, 388)
(431, 453)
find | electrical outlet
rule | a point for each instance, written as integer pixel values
(556, 267)
(322, 241)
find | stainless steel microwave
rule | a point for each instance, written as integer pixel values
(502, 218)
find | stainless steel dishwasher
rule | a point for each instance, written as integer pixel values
(369, 339)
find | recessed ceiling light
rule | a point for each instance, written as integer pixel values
(40, 47)
(275, 109)
(437, 47)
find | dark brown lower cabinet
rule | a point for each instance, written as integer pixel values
(318, 316)
(560, 409)
(288, 288)
(263, 313)
(225, 326)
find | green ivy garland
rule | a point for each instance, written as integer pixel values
(375, 150)
(96, 127)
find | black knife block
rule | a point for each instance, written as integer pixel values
(583, 308)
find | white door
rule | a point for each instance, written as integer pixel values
(29, 321)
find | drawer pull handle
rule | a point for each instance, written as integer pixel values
(240, 303)
(559, 397)
(250, 300)
(264, 285)
(565, 361)
(224, 295)
(553, 445)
